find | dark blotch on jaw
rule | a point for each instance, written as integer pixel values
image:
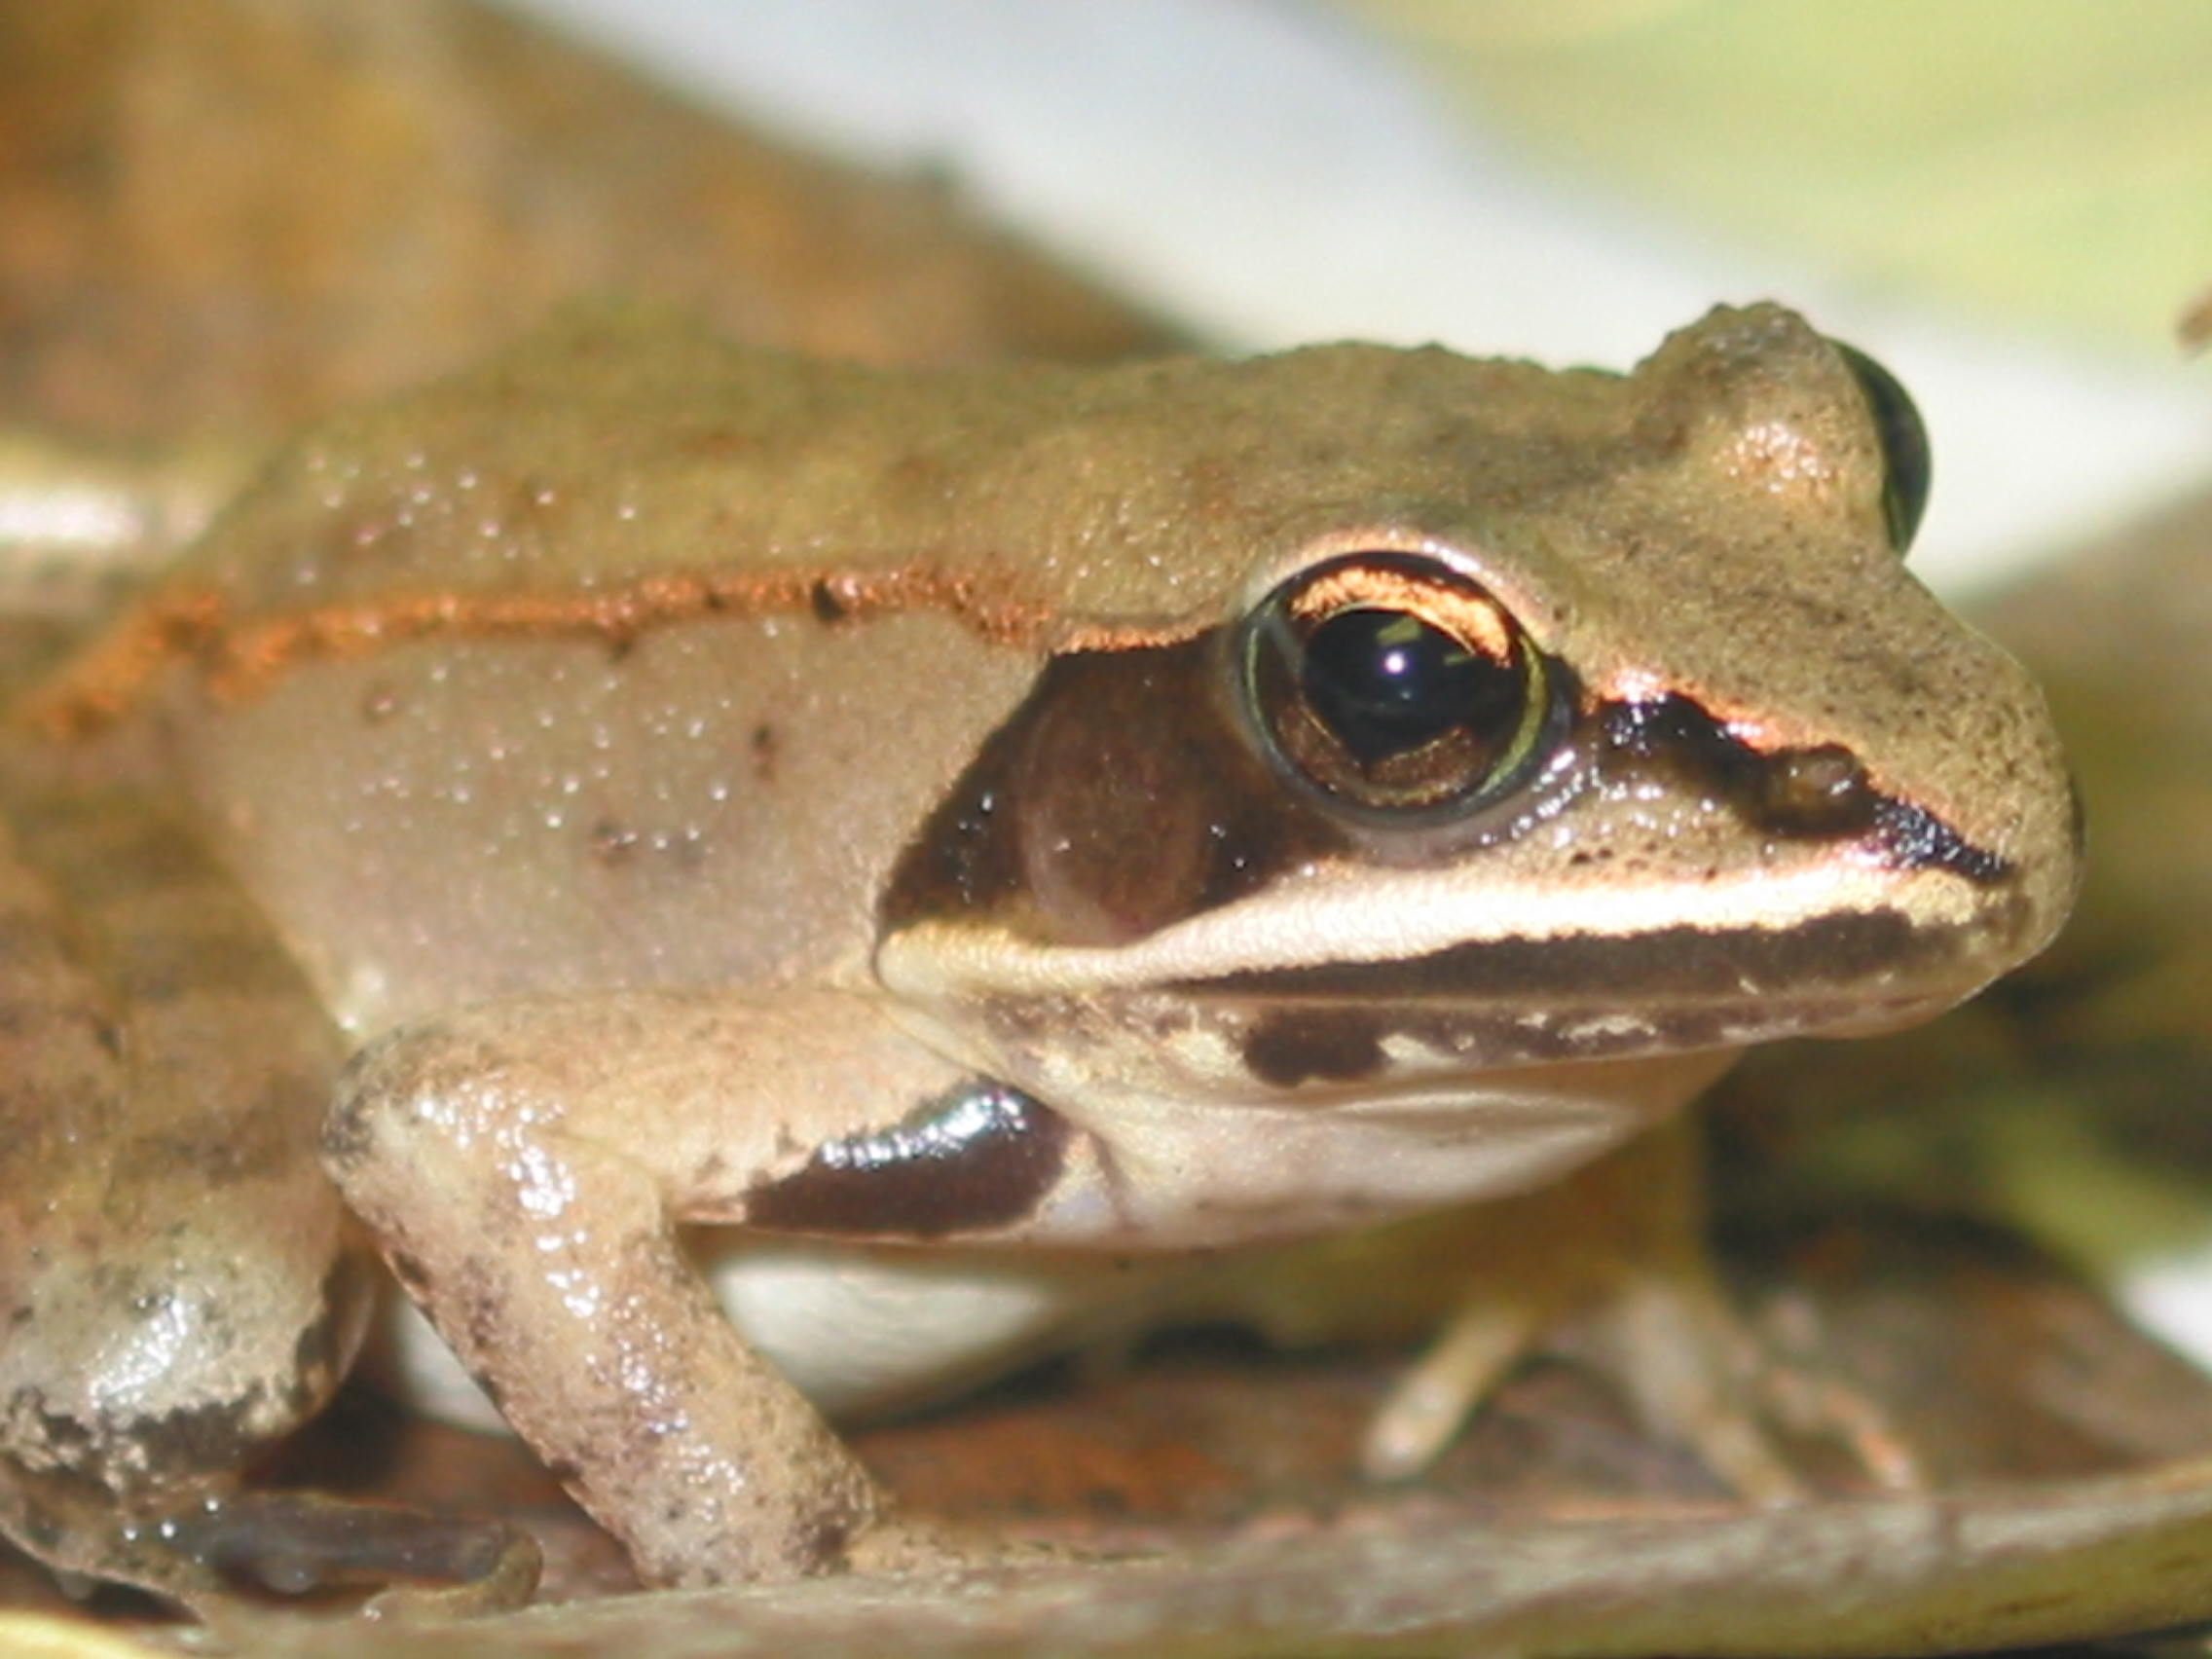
(984, 1156)
(1915, 839)
(1820, 790)
(1121, 795)
(1113, 808)
(1811, 793)
(1817, 792)
(1298, 1046)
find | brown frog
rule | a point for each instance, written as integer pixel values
(927, 855)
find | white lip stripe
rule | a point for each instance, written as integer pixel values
(1338, 915)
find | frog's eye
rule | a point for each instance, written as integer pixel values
(1393, 685)
(1905, 444)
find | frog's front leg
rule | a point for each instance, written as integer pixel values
(524, 1165)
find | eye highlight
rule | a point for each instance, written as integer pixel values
(1393, 685)
(1906, 463)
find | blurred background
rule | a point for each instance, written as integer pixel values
(2009, 202)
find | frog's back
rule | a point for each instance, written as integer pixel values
(495, 690)
(636, 657)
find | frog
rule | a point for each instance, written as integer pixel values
(762, 888)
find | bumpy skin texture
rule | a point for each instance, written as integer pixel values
(724, 789)
(166, 1065)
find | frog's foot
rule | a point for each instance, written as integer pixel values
(1694, 1371)
(1700, 1369)
(1432, 1402)
(1616, 1254)
(178, 1286)
(221, 1550)
(300, 1545)
(898, 1544)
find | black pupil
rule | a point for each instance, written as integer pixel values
(1386, 683)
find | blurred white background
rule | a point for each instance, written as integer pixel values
(1261, 168)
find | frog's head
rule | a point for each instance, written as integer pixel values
(1546, 718)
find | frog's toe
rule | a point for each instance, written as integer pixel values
(1697, 1373)
(898, 1544)
(1434, 1398)
(1692, 1367)
(1611, 1265)
(299, 1545)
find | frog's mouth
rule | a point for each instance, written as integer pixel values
(1448, 1002)
(1583, 996)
